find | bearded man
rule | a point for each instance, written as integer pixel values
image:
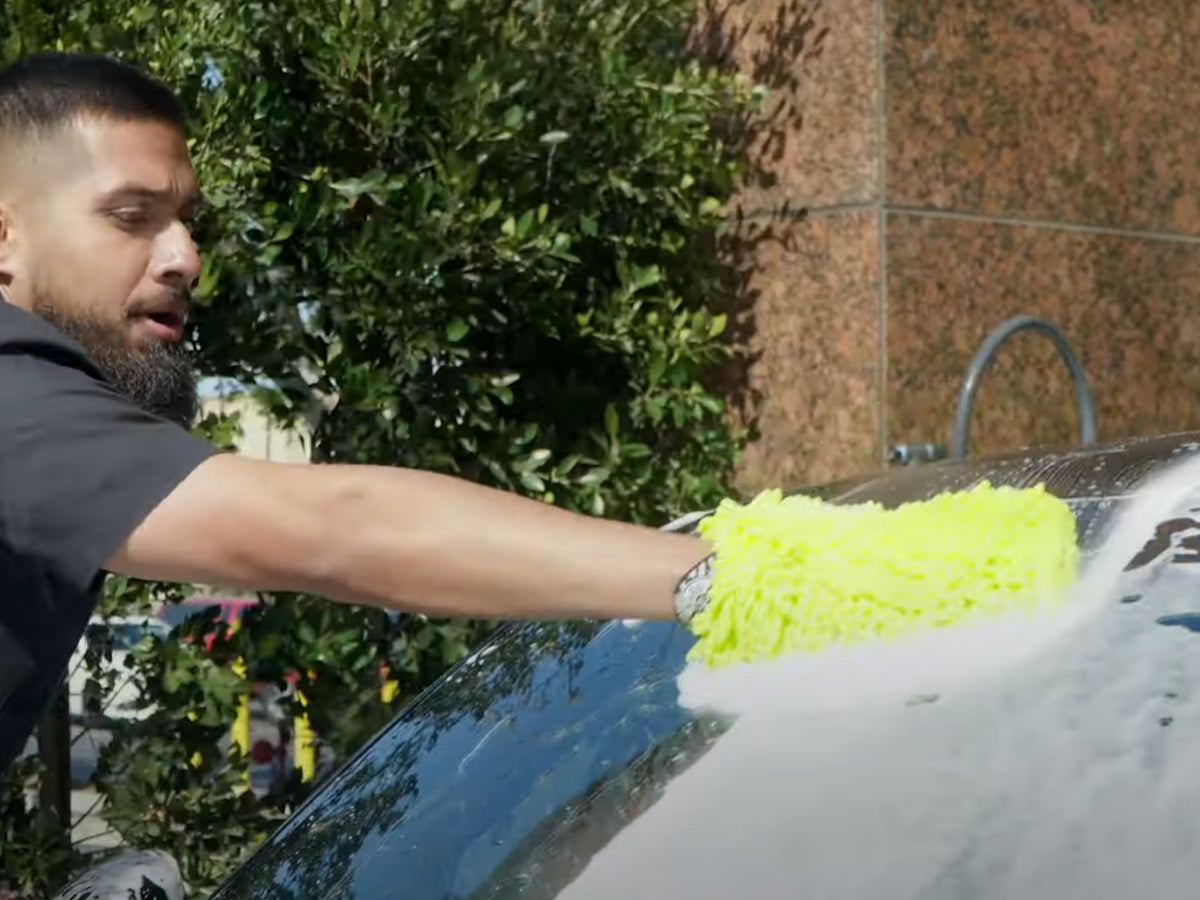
(99, 474)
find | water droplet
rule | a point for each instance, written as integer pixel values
(920, 699)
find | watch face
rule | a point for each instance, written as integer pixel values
(692, 593)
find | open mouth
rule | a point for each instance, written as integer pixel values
(163, 324)
(166, 319)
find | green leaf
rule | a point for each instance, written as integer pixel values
(594, 477)
(533, 482)
(612, 422)
(456, 330)
(658, 365)
(645, 276)
(554, 137)
(564, 468)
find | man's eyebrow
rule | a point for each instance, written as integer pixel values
(190, 201)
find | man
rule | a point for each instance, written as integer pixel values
(99, 475)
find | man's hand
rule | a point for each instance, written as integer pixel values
(407, 540)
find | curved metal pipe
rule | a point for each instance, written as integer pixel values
(983, 356)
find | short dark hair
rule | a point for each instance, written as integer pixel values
(47, 91)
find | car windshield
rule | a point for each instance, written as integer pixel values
(177, 613)
(215, 609)
(126, 635)
(566, 760)
(518, 767)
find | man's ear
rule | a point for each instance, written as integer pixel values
(8, 248)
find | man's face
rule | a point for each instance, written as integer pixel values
(96, 241)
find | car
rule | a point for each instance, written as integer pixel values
(227, 610)
(110, 690)
(591, 760)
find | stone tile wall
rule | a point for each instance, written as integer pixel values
(961, 162)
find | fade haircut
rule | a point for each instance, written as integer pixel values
(45, 92)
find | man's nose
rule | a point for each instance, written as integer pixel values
(176, 259)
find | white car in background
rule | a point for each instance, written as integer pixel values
(110, 690)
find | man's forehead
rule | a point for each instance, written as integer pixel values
(137, 157)
(103, 156)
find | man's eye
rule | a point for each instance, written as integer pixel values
(130, 216)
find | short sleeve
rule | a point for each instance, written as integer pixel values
(81, 466)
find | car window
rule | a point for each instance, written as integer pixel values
(125, 635)
(175, 614)
(516, 768)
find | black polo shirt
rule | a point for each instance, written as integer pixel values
(80, 467)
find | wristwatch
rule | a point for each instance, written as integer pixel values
(691, 594)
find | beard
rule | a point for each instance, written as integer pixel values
(159, 378)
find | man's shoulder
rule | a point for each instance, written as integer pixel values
(19, 328)
(16, 324)
(32, 348)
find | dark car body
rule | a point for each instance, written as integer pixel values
(562, 760)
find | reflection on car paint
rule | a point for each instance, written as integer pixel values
(492, 783)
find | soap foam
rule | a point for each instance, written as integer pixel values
(1058, 760)
(935, 663)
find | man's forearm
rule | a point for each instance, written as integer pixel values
(404, 539)
(422, 542)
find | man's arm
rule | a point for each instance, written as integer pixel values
(403, 539)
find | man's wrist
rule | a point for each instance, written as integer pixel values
(691, 591)
(691, 594)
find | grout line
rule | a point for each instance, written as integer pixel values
(1018, 222)
(834, 209)
(981, 218)
(881, 223)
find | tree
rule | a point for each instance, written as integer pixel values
(469, 236)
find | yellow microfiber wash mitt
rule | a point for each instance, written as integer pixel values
(798, 574)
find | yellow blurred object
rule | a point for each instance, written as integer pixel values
(305, 743)
(798, 575)
(389, 690)
(241, 722)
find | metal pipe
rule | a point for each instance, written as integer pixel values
(966, 396)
